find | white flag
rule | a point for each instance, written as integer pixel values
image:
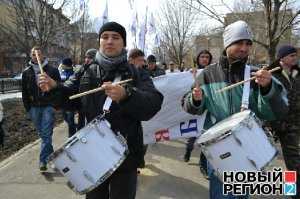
(131, 2)
(157, 40)
(142, 32)
(104, 16)
(134, 22)
(151, 25)
(79, 13)
(172, 122)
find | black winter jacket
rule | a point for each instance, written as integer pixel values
(32, 94)
(125, 117)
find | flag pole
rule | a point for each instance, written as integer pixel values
(145, 29)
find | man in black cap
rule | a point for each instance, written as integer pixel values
(66, 71)
(153, 69)
(288, 129)
(89, 58)
(137, 101)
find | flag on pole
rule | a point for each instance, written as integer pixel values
(142, 32)
(131, 2)
(151, 25)
(79, 13)
(104, 16)
(157, 40)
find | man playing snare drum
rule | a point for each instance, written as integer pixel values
(266, 100)
(135, 102)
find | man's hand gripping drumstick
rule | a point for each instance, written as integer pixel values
(197, 91)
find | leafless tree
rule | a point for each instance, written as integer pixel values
(81, 28)
(32, 22)
(279, 16)
(176, 29)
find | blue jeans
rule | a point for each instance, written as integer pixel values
(69, 118)
(43, 119)
(216, 186)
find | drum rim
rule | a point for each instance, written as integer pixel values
(226, 133)
(117, 135)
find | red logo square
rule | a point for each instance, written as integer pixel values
(290, 176)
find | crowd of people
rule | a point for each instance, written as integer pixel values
(274, 98)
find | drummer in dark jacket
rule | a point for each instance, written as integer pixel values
(132, 103)
(39, 105)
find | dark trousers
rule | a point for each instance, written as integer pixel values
(290, 145)
(189, 148)
(70, 120)
(81, 120)
(190, 144)
(121, 185)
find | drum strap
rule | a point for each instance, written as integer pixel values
(108, 100)
(246, 89)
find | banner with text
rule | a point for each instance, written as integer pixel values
(172, 122)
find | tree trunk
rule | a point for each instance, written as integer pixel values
(272, 53)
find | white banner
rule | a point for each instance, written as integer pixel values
(172, 122)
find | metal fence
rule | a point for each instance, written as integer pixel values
(10, 84)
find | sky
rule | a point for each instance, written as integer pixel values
(119, 11)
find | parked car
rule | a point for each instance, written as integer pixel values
(18, 76)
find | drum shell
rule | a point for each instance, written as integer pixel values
(90, 156)
(246, 147)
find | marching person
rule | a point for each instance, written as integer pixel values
(137, 58)
(172, 68)
(66, 71)
(89, 58)
(288, 129)
(266, 98)
(39, 105)
(203, 60)
(153, 69)
(132, 103)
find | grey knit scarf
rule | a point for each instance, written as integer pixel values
(111, 64)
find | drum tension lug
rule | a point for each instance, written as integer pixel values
(88, 177)
(253, 163)
(70, 156)
(99, 131)
(237, 139)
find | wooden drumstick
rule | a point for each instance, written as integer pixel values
(242, 82)
(39, 61)
(97, 89)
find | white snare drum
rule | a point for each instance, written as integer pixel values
(90, 156)
(237, 143)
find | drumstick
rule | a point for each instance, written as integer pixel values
(97, 89)
(247, 80)
(39, 61)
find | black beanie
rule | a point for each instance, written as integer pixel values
(67, 62)
(285, 51)
(151, 59)
(114, 26)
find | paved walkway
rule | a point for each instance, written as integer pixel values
(166, 175)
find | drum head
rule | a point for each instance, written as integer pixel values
(223, 126)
